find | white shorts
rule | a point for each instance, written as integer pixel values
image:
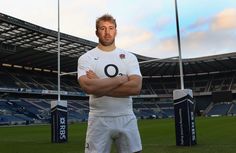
(103, 131)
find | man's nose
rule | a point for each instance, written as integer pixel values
(107, 31)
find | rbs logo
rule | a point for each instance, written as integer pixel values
(62, 128)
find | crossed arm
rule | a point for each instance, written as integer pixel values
(119, 86)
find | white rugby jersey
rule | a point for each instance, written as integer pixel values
(109, 64)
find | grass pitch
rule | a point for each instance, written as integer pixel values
(214, 135)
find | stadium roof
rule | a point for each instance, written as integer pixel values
(29, 45)
(23, 44)
(195, 66)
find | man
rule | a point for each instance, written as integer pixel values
(110, 75)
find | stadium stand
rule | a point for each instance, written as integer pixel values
(232, 110)
(28, 77)
(219, 109)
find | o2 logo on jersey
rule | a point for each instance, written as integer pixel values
(111, 70)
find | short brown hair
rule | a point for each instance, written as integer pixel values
(106, 17)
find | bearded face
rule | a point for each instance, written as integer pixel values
(106, 33)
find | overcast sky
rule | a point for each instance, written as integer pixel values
(145, 27)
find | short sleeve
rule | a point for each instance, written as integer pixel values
(133, 65)
(84, 64)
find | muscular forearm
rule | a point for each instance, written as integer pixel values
(132, 87)
(100, 87)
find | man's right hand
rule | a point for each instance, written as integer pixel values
(123, 78)
(91, 75)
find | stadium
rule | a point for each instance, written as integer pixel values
(28, 84)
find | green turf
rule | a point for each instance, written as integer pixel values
(214, 135)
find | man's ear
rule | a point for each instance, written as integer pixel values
(96, 32)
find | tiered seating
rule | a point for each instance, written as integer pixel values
(147, 88)
(43, 103)
(202, 104)
(77, 110)
(80, 104)
(201, 83)
(167, 109)
(10, 115)
(7, 81)
(27, 81)
(143, 109)
(10, 119)
(39, 109)
(233, 109)
(219, 109)
(24, 107)
(13, 78)
(4, 107)
(43, 81)
(73, 115)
